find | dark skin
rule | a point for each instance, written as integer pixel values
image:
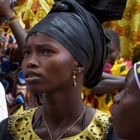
(52, 69)
(113, 54)
(18, 31)
(115, 83)
(126, 110)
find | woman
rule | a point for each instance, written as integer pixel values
(126, 110)
(60, 55)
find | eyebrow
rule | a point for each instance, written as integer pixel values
(38, 45)
(47, 46)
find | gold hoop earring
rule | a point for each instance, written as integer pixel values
(74, 78)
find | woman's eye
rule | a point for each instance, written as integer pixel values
(46, 51)
(26, 53)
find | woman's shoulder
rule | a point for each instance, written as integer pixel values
(22, 113)
(100, 119)
(100, 124)
(20, 116)
(97, 128)
(19, 123)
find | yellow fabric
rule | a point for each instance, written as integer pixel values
(104, 102)
(20, 126)
(31, 12)
(120, 68)
(128, 27)
(87, 96)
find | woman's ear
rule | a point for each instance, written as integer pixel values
(78, 67)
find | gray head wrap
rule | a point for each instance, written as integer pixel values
(80, 33)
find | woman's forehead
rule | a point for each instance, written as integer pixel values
(40, 38)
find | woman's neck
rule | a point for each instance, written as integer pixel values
(62, 107)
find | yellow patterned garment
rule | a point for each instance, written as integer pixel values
(102, 103)
(128, 27)
(31, 12)
(121, 67)
(20, 127)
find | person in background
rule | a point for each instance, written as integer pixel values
(60, 55)
(125, 112)
(9, 68)
(113, 49)
(101, 96)
(109, 85)
(128, 29)
(20, 17)
(9, 18)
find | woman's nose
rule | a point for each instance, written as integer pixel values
(32, 62)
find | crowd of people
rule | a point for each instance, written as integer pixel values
(62, 76)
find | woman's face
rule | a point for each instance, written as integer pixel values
(113, 54)
(47, 65)
(126, 110)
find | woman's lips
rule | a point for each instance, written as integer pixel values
(31, 77)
